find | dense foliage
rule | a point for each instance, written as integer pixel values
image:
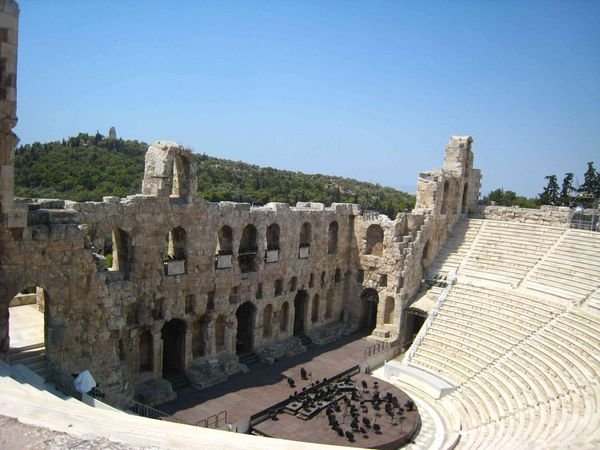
(500, 197)
(88, 167)
(568, 195)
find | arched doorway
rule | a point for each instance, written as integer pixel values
(173, 336)
(415, 318)
(27, 329)
(368, 314)
(245, 328)
(300, 313)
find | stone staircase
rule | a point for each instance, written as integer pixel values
(248, 358)
(306, 341)
(178, 381)
(33, 357)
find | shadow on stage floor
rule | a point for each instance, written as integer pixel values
(234, 394)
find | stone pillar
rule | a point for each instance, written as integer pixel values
(210, 341)
(157, 348)
(188, 357)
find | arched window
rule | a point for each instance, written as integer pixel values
(248, 249)
(273, 237)
(305, 238)
(224, 248)
(283, 316)
(175, 252)
(272, 251)
(338, 275)
(225, 243)
(374, 241)
(120, 259)
(333, 238)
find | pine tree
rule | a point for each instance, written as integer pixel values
(591, 183)
(550, 196)
(567, 187)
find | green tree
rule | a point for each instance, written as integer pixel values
(567, 187)
(591, 183)
(551, 195)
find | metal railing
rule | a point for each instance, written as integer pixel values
(215, 421)
(376, 348)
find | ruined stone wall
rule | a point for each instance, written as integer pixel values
(160, 280)
(554, 216)
(412, 241)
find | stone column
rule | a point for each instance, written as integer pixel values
(187, 359)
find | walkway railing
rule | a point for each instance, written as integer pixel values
(215, 421)
(376, 348)
(427, 325)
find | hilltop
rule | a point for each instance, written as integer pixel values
(86, 168)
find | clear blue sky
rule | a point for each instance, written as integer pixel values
(367, 89)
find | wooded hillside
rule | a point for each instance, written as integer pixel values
(88, 167)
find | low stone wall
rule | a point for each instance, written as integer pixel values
(554, 216)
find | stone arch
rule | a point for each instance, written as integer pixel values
(248, 249)
(388, 310)
(374, 240)
(267, 314)
(220, 341)
(337, 276)
(245, 316)
(465, 199)
(169, 171)
(445, 195)
(173, 336)
(332, 242)
(314, 313)
(284, 316)
(146, 352)
(369, 298)
(225, 241)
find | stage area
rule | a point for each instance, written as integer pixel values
(244, 395)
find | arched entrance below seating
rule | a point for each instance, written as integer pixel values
(173, 336)
(300, 313)
(368, 309)
(245, 315)
(415, 318)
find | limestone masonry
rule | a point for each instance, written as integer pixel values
(164, 283)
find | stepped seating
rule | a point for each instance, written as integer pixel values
(594, 300)
(504, 252)
(40, 407)
(570, 270)
(528, 369)
(455, 247)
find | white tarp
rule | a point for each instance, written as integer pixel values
(84, 382)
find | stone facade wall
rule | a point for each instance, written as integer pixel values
(162, 281)
(554, 216)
